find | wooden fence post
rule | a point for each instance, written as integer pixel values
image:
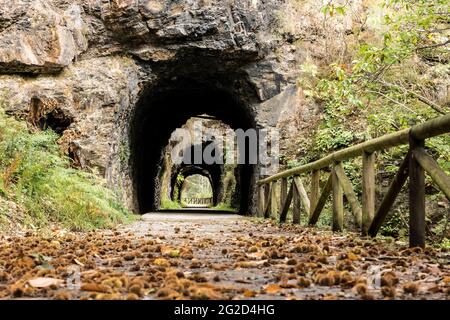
(274, 199)
(268, 200)
(302, 193)
(283, 192)
(416, 196)
(338, 202)
(390, 196)
(350, 194)
(286, 203)
(296, 206)
(321, 203)
(261, 200)
(315, 191)
(368, 191)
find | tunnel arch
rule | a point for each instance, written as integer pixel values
(187, 174)
(166, 107)
(214, 171)
(189, 170)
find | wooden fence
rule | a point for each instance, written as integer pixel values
(369, 220)
(198, 201)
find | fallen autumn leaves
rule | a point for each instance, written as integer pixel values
(217, 259)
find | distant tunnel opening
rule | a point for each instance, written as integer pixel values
(158, 114)
(181, 173)
(196, 191)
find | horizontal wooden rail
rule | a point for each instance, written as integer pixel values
(198, 201)
(428, 129)
(416, 163)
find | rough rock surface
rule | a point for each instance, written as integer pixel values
(38, 37)
(81, 67)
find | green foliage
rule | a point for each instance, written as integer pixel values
(439, 147)
(224, 207)
(197, 186)
(229, 182)
(375, 85)
(440, 229)
(179, 183)
(180, 178)
(331, 9)
(36, 175)
(124, 153)
(383, 84)
(331, 138)
(168, 204)
(445, 243)
(326, 217)
(395, 225)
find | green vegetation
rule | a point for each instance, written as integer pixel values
(35, 175)
(224, 207)
(387, 82)
(124, 152)
(176, 192)
(391, 77)
(167, 204)
(197, 186)
(445, 243)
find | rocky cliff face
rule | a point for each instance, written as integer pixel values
(38, 37)
(81, 67)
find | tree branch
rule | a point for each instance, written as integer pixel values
(433, 105)
(434, 45)
(393, 100)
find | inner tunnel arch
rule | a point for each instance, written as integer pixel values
(166, 107)
(179, 187)
(213, 173)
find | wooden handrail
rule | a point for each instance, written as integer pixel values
(428, 129)
(416, 163)
(198, 201)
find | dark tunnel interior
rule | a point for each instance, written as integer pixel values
(212, 171)
(162, 110)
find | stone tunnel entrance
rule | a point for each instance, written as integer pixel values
(196, 191)
(213, 173)
(158, 114)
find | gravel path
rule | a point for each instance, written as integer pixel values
(217, 256)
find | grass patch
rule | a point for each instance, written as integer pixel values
(167, 204)
(35, 174)
(224, 207)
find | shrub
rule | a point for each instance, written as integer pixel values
(168, 204)
(35, 174)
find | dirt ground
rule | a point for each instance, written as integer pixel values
(219, 256)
